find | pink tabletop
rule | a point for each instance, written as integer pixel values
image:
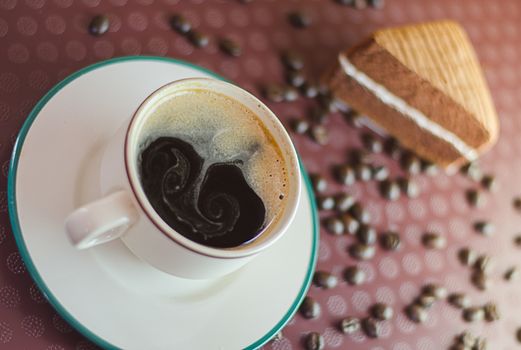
(41, 42)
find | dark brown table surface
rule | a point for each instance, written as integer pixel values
(41, 42)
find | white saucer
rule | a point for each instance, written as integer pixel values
(106, 293)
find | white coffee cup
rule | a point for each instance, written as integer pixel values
(126, 213)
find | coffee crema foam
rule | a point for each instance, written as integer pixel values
(222, 130)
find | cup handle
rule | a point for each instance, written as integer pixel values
(101, 221)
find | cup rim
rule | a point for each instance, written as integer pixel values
(227, 253)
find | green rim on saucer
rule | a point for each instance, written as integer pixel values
(13, 214)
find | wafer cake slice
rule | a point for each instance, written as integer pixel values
(423, 84)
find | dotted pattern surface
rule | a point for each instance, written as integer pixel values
(42, 41)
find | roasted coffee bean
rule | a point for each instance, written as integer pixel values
(366, 234)
(390, 190)
(354, 275)
(318, 115)
(295, 78)
(345, 174)
(484, 263)
(362, 251)
(475, 198)
(380, 173)
(472, 170)
(360, 213)
(299, 19)
(309, 89)
(309, 308)
(300, 126)
(491, 312)
(319, 183)
(416, 313)
(473, 314)
(293, 60)
(371, 143)
(390, 240)
(489, 182)
(459, 300)
(484, 228)
(354, 119)
(371, 327)
(425, 300)
(325, 202)
(466, 339)
(230, 47)
(277, 337)
(351, 225)
(467, 256)
(180, 24)
(517, 240)
(314, 341)
(325, 280)
(290, 93)
(410, 163)
(481, 344)
(429, 168)
(377, 4)
(363, 172)
(512, 274)
(198, 39)
(360, 156)
(329, 103)
(320, 134)
(409, 187)
(433, 240)
(274, 93)
(335, 226)
(480, 280)
(518, 335)
(392, 148)
(99, 25)
(516, 203)
(344, 202)
(382, 311)
(350, 325)
(439, 292)
(359, 4)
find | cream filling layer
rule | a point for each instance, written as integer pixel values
(404, 108)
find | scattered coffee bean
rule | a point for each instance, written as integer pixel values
(480, 280)
(293, 60)
(392, 148)
(433, 240)
(314, 341)
(300, 126)
(475, 198)
(377, 4)
(491, 312)
(344, 202)
(425, 300)
(318, 115)
(390, 240)
(410, 163)
(362, 251)
(296, 78)
(489, 182)
(484, 228)
(198, 39)
(370, 327)
(416, 313)
(354, 275)
(363, 172)
(429, 168)
(467, 256)
(439, 292)
(409, 187)
(516, 203)
(290, 93)
(512, 274)
(274, 93)
(325, 202)
(466, 339)
(329, 103)
(319, 183)
(354, 119)
(309, 308)
(518, 335)
(359, 4)
(360, 156)
(335, 226)
(309, 89)
(380, 173)
(473, 314)
(390, 190)
(325, 280)
(345, 174)
(484, 263)
(320, 134)
(517, 240)
(481, 344)
(382, 311)
(277, 337)
(371, 143)
(351, 225)
(366, 234)
(299, 19)
(360, 213)
(459, 300)
(180, 24)
(230, 47)
(472, 170)
(99, 25)
(350, 325)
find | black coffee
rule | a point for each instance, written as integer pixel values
(210, 169)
